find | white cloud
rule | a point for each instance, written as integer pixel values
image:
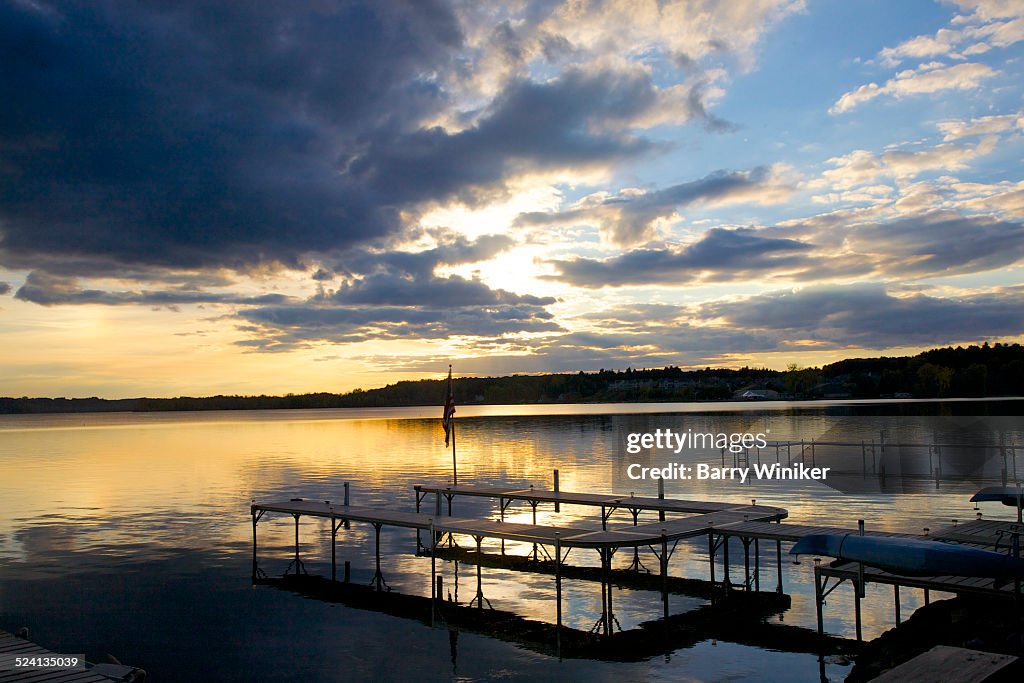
(986, 23)
(861, 166)
(927, 78)
(985, 125)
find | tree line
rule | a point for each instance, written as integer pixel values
(973, 371)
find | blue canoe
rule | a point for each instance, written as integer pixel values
(1007, 495)
(912, 556)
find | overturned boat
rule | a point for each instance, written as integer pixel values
(912, 556)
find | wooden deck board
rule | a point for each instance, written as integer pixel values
(10, 644)
(944, 663)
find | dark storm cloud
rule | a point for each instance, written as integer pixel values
(932, 244)
(5, 288)
(871, 317)
(629, 219)
(576, 120)
(452, 249)
(720, 254)
(50, 290)
(279, 328)
(393, 289)
(941, 243)
(197, 135)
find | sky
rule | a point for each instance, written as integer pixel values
(201, 198)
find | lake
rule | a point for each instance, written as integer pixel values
(130, 534)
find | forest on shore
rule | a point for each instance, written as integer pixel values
(952, 372)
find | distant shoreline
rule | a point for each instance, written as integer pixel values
(976, 372)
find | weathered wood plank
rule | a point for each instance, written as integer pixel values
(944, 663)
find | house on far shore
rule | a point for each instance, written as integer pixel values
(755, 393)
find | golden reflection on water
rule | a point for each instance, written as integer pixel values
(99, 486)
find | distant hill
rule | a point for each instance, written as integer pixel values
(974, 371)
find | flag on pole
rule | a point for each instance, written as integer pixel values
(449, 411)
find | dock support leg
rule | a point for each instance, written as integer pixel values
(433, 573)
(664, 574)
(927, 597)
(856, 610)
(636, 565)
(896, 597)
(501, 506)
(757, 565)
(778, 566)
(604, 595)
(437, 509)
(533, 504)
(334, 553)
(378, 577)
(558, 595)
(479, 599)
(711, 556)
(558, 508)
(419, 543)
(299, 569)
(611, 612)
(819, 600)
(746, 563)
(255, 567)
(347, 498)
(725, 562)
(661, 496)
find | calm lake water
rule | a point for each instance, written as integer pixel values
(130, 533)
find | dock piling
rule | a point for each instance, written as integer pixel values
(778, 565)
(558, 594)
(346, 503)
(433, 573)
(664, 573)
(558, 508)
(896, 600)
(819, 599)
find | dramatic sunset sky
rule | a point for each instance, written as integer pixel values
(249, 197)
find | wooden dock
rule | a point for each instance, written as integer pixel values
(720, 522)
(95, 673)
(561, 539)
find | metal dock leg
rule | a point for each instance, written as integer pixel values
(778, 551)
(558, 595)
(819, 599)
(856, 610)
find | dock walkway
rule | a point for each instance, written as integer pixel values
(14, 646)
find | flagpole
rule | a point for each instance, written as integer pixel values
(455, 471)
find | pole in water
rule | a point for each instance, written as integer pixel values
(661, 496)
(346, 503)
(557, 506)
(664, 573)
(254, 566)
(558, 594)
(433, 572)
(778, 551)
(334, 554)
(818, 598)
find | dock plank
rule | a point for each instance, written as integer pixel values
(10, 644)
(944, 663)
